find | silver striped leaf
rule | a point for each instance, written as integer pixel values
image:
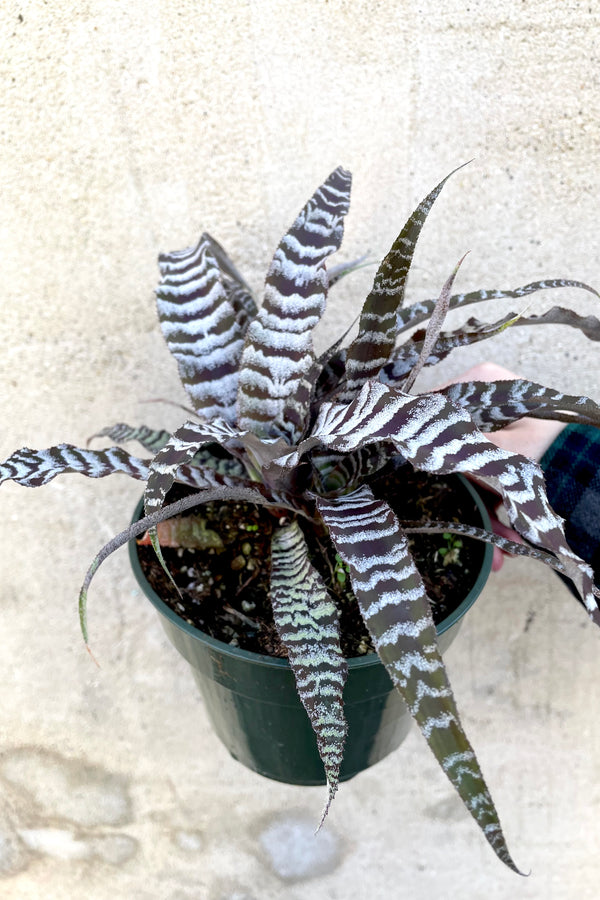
(405, 356)
(150, 439)
(494, 404)
(433, 330)
(202, 327)
(156, 440)
(404, 359)
(242, 302)
(32, 468)
(378, 325)
(230, 274)
(417, 313)
(338, 471)
(307, 621)
(396, 610)
(237, 290)
(179, 461)
(507, 546)
(436, 436)
(184, 445)
(557, 315)
(278, 357)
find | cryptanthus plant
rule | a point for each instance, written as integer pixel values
(304, 434)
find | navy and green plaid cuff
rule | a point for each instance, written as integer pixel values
(572, 470)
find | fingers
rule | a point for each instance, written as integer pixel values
(504, 531)
(497, 559)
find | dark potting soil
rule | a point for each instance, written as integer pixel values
(225, 589)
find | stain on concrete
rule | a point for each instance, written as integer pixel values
(237, 895)
(14, 857)
(59, 843)
(63, 844)
(232, 889)
(294, 852)
(447, 810)
(114, 849)
(70, 789)
(52, 806)
(187, 840)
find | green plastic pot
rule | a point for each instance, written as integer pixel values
(253, 706)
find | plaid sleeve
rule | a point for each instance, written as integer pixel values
(572, 470)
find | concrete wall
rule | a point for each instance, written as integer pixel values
(129, 128)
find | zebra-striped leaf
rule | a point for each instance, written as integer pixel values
(378, 325)
(405, 357)
(480, 534)
(211, 457)
(340, 471)
(150, 439)
(238, 292)
(419, 312)
(278, 357)
(230, 272)
(396, 610)
(203, 328)
(32, 468)
(494, 404)
(183, 446)
(435, 435)
(433, 330)
(307, 622)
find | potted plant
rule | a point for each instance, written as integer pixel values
(306, 438)
(221, 622)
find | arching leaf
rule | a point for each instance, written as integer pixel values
(150, 439)
(405, 357)
(419, 312)
(434, 435)
(32, 468)
(396, 610)
(494, 404)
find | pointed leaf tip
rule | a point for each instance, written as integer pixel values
(307, 622)
(380, 318)
(395, 608)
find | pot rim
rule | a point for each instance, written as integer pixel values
(355, 662)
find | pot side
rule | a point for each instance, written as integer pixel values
(253, 706)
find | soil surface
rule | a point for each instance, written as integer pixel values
(225, 588)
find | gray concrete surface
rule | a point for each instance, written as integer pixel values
(128, 128)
